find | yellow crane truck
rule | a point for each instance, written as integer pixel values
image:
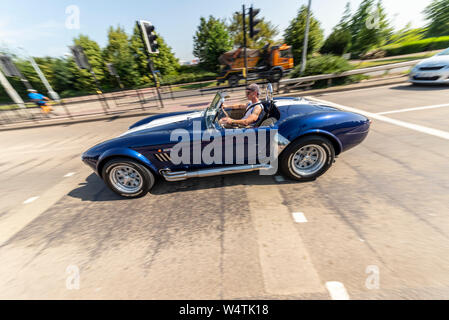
(269, 63)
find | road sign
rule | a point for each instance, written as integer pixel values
(80, 58)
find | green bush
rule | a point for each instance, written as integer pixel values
(188, 74)
(323, 64)
(326, 64)
(428, 44)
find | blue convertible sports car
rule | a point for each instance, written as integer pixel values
(300, 137)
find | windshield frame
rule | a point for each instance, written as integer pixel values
(211, 111)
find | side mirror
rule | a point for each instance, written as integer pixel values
(269, 92)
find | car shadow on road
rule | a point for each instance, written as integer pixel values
(419, 87)
(205, 183)
(94, 189)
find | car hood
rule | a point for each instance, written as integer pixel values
(164, 122)
(434, 61)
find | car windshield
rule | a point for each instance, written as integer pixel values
(212, 110)
(444, 53)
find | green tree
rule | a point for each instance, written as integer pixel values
(294, 34)
(118, 52)
(266, 34)
(370, 27)
(165, 61)
(339, 41)
(437, 12)
(211, 40)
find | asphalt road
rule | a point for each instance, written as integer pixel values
(375, 226)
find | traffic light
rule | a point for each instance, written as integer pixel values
(80, 57)
(8, 67)
(149, 36)
(253, 22)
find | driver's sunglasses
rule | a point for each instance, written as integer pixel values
(249, 90)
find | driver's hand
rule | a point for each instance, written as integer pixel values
(225, 120)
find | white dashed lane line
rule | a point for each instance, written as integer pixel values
(337, 290)
(416, 109)
(416, 127)
(299, 217)
(30, 200)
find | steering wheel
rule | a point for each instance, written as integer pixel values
(221, 114)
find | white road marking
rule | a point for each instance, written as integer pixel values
(416, 109)
(299, 217)
(285, 262)
(416, 127)
(337, 290)
(30, 200)
(20, 216)
(69, 174)
(279, 178)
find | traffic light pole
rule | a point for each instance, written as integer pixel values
(151, 66)
(244, 46)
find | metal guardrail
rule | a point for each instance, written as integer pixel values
(386, 67)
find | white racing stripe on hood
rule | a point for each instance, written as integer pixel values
(289, 102)
(164, 121)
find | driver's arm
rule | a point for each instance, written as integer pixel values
(235, 106)
(252, 118)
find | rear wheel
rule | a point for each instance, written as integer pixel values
(276, 75)
(307, 158)
(127, 178)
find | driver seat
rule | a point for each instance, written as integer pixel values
(269, 110)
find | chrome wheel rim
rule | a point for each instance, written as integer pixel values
(308, 160)
(126, 179)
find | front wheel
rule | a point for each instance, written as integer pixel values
(307, 158)
(127, 178)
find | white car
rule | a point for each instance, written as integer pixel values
(432, 70)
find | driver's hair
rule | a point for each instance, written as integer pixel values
(254, 87)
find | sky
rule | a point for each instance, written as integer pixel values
(47, 27)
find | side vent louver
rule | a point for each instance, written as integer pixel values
(163, 157)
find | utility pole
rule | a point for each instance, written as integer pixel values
(306, 41)
(245, 70)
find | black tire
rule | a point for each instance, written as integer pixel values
(276, 75)
(147, 177)
(322, 146)
(233, 80)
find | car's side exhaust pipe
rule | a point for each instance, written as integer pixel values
(183, 175)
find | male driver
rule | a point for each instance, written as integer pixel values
(40, 100)
(254, 109)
